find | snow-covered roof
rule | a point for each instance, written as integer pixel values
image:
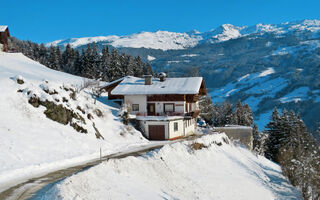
(112, 82)
(3, 28)
(136, 86)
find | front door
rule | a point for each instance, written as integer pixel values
(151, 108)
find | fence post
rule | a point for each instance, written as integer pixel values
(100, 155)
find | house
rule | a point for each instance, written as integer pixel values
(4, 34)
(165, 108)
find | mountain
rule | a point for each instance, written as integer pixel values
(230, 58)
(165, 40)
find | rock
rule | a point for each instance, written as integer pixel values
(79, 108)
(198, 146)
(98, 112)
(89, 116)
(19, 79)
(34, 101)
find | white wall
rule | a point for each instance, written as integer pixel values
(189, 129)
(146, 124)
(180, 131)
(137, 99)
(168, 128)
(159, 106)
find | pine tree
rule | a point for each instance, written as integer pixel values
(207, 109)
(43, 55)
(114, 70)
(256, 137)
(226, 114)
(137, 69)
(247, 116)
(259, 140)
(77, 64)
(68, 58)
(59, 57)
(147, 69)
(53, 59)
(105, 63)
(274, 135)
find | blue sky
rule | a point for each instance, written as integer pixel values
(44, 21)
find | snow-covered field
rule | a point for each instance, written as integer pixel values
(32, 144)
(220, 170)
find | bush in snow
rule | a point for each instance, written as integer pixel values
(124, 113)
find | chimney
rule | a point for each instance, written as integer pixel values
(147, 79)
(162, 76)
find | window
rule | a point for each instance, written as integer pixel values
(175, 126)
(168, 107)
(135, 107)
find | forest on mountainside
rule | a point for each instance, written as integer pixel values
(89, 62)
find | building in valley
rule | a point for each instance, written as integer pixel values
(166, 108)
(4, 35)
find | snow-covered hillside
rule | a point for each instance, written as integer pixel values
(30, 143)
(209, 168)
(165, 40)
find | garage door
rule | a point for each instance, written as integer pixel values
(156, 132)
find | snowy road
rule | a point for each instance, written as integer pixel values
(29, 188)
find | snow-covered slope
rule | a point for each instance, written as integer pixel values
(30, 142)
(219, 170)
(165, 40)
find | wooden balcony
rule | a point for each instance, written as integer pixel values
(192, 114)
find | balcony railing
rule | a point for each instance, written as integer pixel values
(193, 114)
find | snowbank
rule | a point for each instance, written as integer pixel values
(32, 144)
(215, 169)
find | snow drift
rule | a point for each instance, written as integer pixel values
(208, 168)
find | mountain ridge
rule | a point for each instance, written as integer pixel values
(166, 40)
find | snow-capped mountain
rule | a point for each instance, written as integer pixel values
(163, 40)
(166, 40)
